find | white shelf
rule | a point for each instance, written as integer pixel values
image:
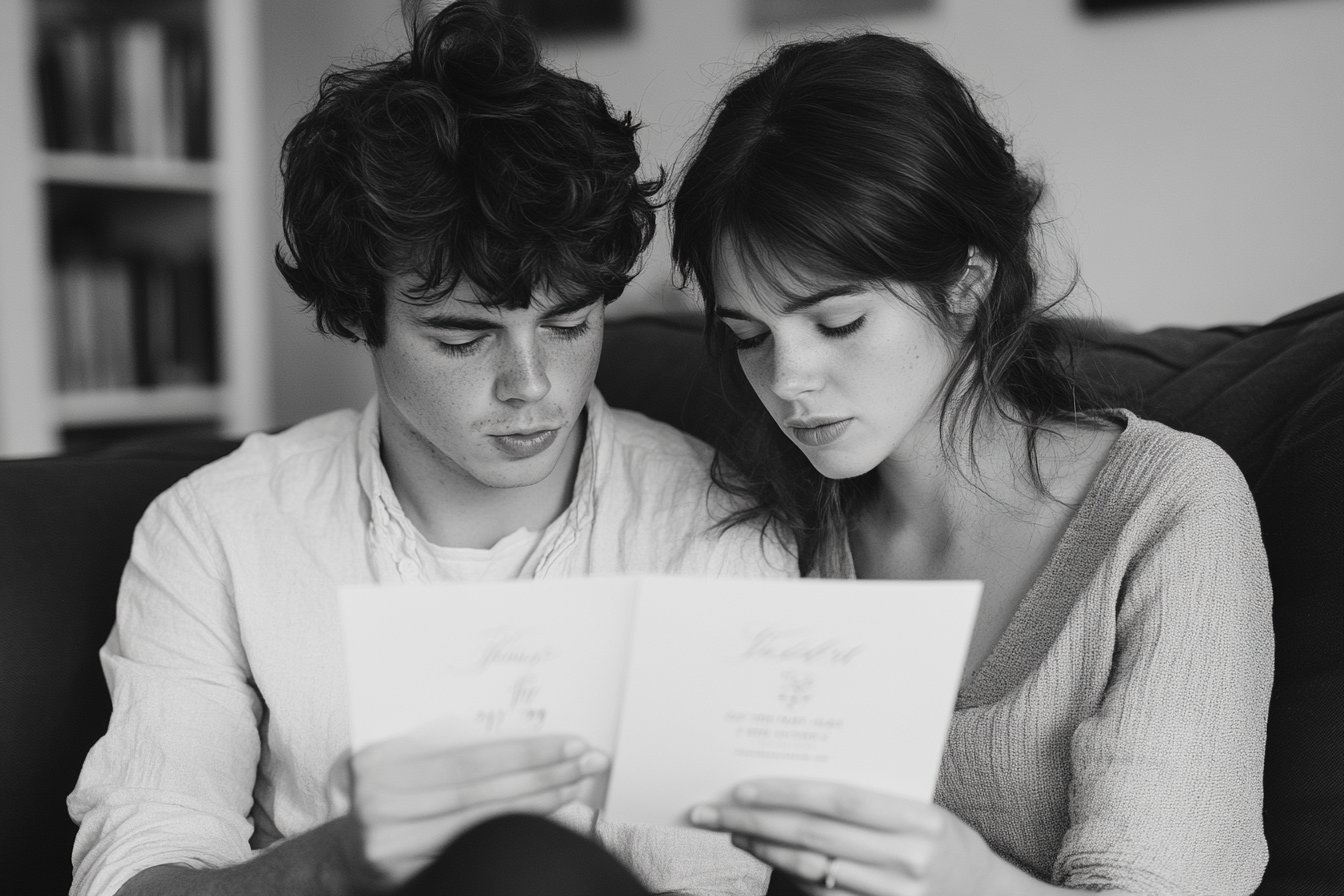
(90, 169)
(163, 205)
(116, 407)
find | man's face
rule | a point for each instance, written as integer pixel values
(486, 396)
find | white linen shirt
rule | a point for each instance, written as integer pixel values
(225, 664)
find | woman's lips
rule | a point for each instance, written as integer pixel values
(814, 435)
(522, 445)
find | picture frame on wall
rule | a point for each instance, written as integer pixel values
(572, 17)
(1101, 7)
(764, 13)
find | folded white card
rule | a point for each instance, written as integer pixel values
(692, 685)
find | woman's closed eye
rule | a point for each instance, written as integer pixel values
(843, 330)
(745, 343)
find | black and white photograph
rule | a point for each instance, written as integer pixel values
(678, 447)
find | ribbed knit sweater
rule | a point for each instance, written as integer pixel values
(1114, 737)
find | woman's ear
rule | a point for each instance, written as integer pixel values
(976, 280)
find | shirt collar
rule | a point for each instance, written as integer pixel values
(393, 546)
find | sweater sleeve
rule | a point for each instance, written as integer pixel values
(1167, 775)
(172, 780)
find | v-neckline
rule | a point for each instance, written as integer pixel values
(1020, 647)
(1013, 656)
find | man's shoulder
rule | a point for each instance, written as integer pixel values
(295, 457)
(669, 498)
(643, 438)
(656, 458)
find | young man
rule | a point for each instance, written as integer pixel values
(466, 213)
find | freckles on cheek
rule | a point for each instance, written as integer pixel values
(433, 396)
(574, 371)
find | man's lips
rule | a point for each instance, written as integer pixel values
(817, 431)
(527, 444)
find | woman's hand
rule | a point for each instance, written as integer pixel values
(867, 842)
(413, 795)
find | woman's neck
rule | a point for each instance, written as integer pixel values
(928, 499)
(932, 508)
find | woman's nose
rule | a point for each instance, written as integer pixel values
(795, 371)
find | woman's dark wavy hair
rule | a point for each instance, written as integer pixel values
(862, 159)
(465, 157)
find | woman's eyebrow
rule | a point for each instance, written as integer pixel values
(799, 303)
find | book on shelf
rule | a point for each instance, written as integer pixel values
(133, 86)
(691, 685)
(134, 320)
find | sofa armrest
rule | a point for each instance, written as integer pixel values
(65, 533)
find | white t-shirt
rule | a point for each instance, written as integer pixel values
(515, 556)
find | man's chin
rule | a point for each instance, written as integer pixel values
(526, 461)
(513, 472)
(519, 474)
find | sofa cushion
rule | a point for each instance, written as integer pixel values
(658, 366)
(65, 533)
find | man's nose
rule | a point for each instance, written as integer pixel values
(522, 378)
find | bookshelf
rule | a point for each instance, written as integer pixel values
(133, 251)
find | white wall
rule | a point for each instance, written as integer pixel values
(1195, 152)
(300, 40)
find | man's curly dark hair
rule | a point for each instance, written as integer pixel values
(465, 157)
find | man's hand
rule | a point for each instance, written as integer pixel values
(413, 795)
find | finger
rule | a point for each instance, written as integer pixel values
(883, 811)
(904, 851)
(413, 761)
(812, 868)
(439, 799)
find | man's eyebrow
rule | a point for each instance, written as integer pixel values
(448, 321)
(798, 303)
(569, 306)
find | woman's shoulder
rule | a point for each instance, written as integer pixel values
(1167, 493)
(1151, 462)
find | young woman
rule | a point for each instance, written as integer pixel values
(863, 239)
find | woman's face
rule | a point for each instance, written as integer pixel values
(852, 374)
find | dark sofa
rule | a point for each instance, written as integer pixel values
(1271, 395)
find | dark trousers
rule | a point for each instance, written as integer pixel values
(525, 855)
